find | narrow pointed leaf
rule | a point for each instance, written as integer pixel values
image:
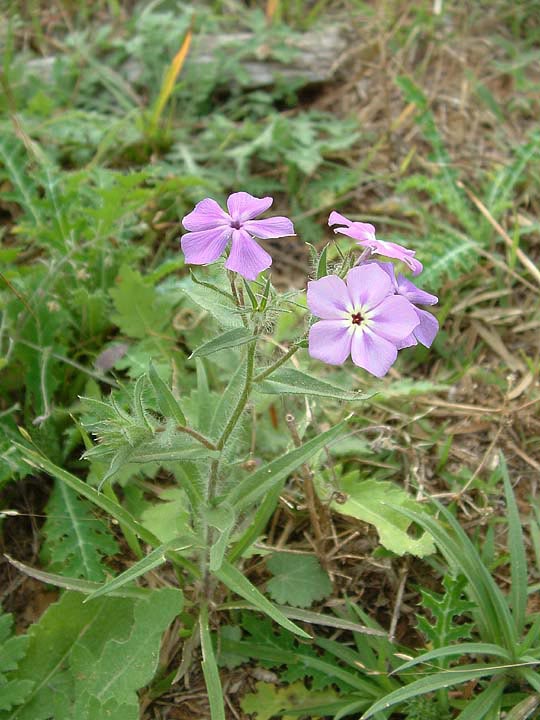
(230, 339)
(450, 650)
(516, 546)
(238, 583)
(289, 381)
(168, 405)
(437, 681)
(153, 560)
(246, 492)
(210, 669)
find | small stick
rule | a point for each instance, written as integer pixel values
(313, 504)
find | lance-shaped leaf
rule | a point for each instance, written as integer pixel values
(289, 381)
(238, 583)
(210, 669)
(153, 560)
(221, 518)
(168, 405)
(230, 339)
(251, 488)
(436, 681)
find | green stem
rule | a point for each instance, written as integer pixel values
(197, 436)
(244, 397)
(283, 359)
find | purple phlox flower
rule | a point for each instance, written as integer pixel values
(360, 316)
(364, 233)
(210, 229)
(424, 333)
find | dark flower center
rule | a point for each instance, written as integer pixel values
(236, 224)
(357, 319)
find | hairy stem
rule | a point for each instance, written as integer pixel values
(197, 436)
(269, 370)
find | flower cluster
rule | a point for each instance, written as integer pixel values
(369, 315)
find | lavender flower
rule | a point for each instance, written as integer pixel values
(364, 233)
(210, 229)
(424, 333)
(361, 317)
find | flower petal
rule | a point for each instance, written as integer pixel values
(207, 214)
(363, 232)
(368, 285)
(274, 227)
(394, 318)
(330, 341)
(243, 206)
(205, 246)
(393, 250)
(417, 296)
(247, 258)
(427, 329)
(328, 298)
(373, 353)
(336, 218)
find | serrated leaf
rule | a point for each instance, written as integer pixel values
(230, 339)
(294, 382)
(12, 650)
(269, 701)
(298, 580)
(369, 501)
(76, 541)
(140, 311)
(94, 655)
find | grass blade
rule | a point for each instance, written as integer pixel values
(210, 669)
(516, 546)
(437, 681)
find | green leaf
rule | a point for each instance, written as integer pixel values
(223, 519)
(269, 701)
(75, 540)
(495, 618)
(437, 681)
(298, 580)
(322, 269)
(238, 583)
(140, 311)
(230, 339)
(518, 557)
(76, 584)
(217, 303)
(168, 405)
(522, 711)
(12, 650)
(483, 703)
(294, 382)
(153, 560)
(369, 501)
(225, 405)
(210, 669)
(169, 517)
(94, 655)
(258, 483)
(463, 649)
(113, 509)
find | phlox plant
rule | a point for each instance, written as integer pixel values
(363, 308)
